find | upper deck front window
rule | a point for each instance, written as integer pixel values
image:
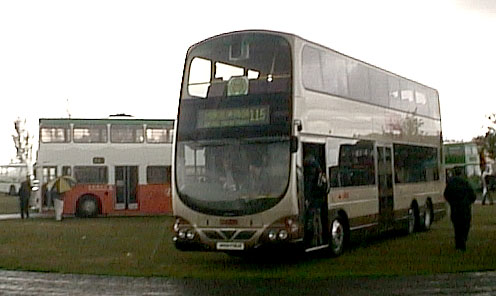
(236, 65)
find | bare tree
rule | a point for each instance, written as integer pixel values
(22, 141)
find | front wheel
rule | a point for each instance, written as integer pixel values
(87, 206)
(338, 233)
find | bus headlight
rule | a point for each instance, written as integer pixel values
(190, 234)
(283, 234)
(272, 235)
(182, 233)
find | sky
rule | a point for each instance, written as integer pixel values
(93, 58)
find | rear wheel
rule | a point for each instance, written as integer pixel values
(87, 206)
(338, 235)
(428, 216)
(413, 219)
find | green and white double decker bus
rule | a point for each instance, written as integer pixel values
(255, 105)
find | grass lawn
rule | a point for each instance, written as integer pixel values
(9, 204)
(142, 246)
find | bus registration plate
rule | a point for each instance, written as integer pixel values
(230, 246)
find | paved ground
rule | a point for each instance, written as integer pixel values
(34, 283)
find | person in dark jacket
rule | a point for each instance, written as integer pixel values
(460, 196)
(24, 195)
(315, 190)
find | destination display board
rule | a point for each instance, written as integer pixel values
(234, 117)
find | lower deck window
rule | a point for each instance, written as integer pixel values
(414, 164)
(158, 174)
(350, 162)
(91, 174)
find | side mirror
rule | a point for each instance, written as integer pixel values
(293, 144)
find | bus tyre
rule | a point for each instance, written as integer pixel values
(337, 236)
(428, 216)
(87, 206)
(413, 219)
(12, 190)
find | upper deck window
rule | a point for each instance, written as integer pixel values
(158, 134)
(90, 133)
(126, 133)
(55, 134)
(330, 72)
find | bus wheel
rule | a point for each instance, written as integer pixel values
(87, 206)
(338, 233)
(12, 190)
(428, 216)
(413, 219)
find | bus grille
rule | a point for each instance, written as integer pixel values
(229, 234)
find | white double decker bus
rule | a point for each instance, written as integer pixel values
(122, 165)
(256, 105)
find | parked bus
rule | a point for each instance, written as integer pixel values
(11, 177)
(255, 105)
(122, 165)
(465, 156)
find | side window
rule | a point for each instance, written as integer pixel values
(358, 79)
(90, 133)
(55, 134)
(312, 72)
(379, 87)
(158, 134)
(413, 164)
(394, 92)
(126, 133)
(350, 162)
(335, 80)
(158, 174)
(91, 174)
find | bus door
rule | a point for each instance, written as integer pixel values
(48, 173)
(126, 187)
(315, 201)
(385, 185)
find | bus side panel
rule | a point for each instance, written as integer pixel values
(105, 193)
(155, 199)
(361, 204)
(152, 199)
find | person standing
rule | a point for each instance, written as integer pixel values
(488, 185)
(24, 195)
(58, 202)
(460, 196)
(490, 182)
(315, 191)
